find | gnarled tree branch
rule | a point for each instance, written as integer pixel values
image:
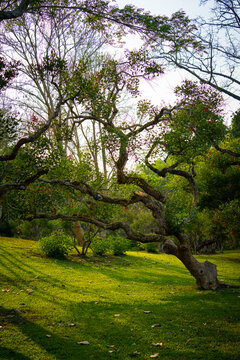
(132, 235)
(33, 137)
(4, 188)
(15, 13)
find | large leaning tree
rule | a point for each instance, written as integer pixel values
(181, 133)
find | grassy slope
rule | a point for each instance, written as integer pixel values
(43, 298)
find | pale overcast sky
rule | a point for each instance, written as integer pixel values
(167, 7)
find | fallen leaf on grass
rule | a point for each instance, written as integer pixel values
(136, 353)
(117, 315)
(156, 325)
(30, 291)
(111, 346)
(5, 290)
(154, 356)
(83, 343)
(147, 312)
(157, 344)
(48, 336)
(71, 325)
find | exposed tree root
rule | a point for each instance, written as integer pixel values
(223, 285)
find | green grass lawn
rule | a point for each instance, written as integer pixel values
(120, 305)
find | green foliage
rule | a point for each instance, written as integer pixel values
(34, 229)
(191, 134)
(228, 216)
(219, 176)
(51, 65)
(6, 228)
(57, 245)
(206, 228)
(178, 208)
(100, 245)
(151, 247)
(118, 245)
(7, 72)
(235, 126)
(8, 129)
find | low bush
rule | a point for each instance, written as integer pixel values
(57, 245)
(118, 245)
(100, 245)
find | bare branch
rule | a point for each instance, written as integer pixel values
(211, 83)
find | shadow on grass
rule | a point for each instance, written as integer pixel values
(186, 333)
(127, 270)
(232, 259)
(186, 330)
(192, 325)
(7, 353)
(133, 269)
(50, 343)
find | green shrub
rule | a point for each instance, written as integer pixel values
(100, 245)
(151, 247)
(56, 245)
(118, 245)
(35, 229)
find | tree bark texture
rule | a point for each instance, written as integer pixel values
(205, 273)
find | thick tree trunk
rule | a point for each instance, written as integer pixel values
(204, 273)
(77, 229)
(78, 232)
(81, 241)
